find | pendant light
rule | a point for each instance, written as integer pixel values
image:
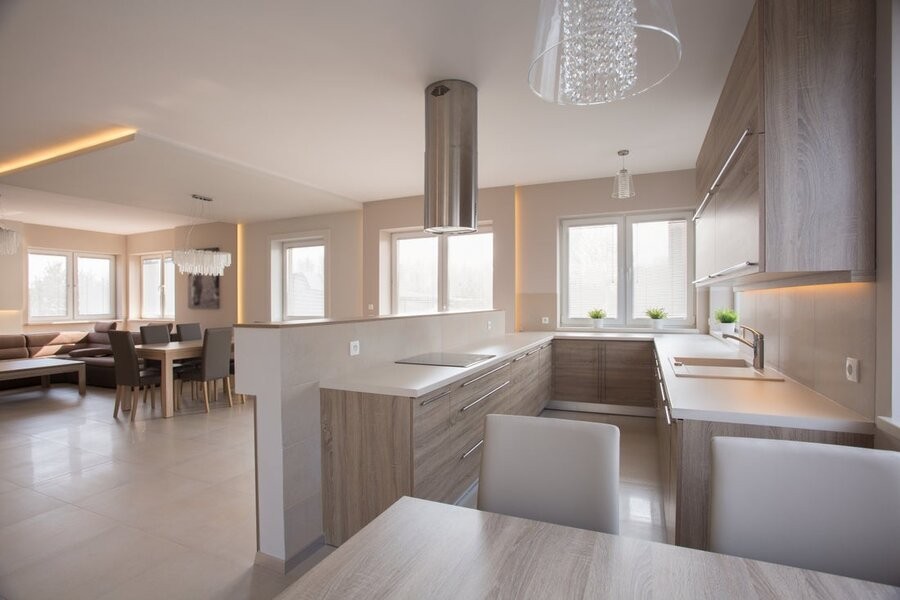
(623, 187)
(193, 261)
(598, 51)
(9, 239)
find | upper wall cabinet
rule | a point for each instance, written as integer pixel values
(786, 173)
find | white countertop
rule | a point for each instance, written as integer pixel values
(769, 403)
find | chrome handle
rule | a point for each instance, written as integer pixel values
(471, 450)
(532, 352)
(471, 404)
(741, 265)
(547, 345)
(668, 414)
(696, 281)
(662, 390)
(518, 358)
(485, 375)
(712, 188)
(430, 400)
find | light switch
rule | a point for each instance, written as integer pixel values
(545, 320)
(371, 307)
(354, 348)
(851, 369)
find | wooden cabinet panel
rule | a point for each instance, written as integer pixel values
(431, 445)
(525, 389)
(576, 370)
(628, 374)
(737, 212)
(546, 378)
(465, 465)
(705, 242)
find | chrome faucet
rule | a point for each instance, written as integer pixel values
(758, 345)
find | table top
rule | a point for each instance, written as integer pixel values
(421, 549)
(189, 349)
(26, 364)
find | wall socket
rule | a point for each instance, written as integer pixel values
(851, 369)
(354, 348)
(545, 320)
(371, 307)
(490, 324)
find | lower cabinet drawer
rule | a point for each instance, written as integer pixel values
(465, 465)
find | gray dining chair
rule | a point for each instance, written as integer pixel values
(214, 363)
(130, 377)
(187, 332)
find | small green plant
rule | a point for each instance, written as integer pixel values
(597, 313)
(726, 315)
(657, 313)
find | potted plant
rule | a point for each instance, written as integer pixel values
(726, 317)
(657, 315)
(597, 315)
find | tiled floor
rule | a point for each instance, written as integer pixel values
(91, 507)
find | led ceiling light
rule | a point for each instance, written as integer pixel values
(598, 51)
(194, 261)
(9, 239)
(623, 187)
(96, 141)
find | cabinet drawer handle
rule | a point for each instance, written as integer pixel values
(715, 184)
(471, 450)
(547, 345)
(496, 389)
(737, 267)
(532, 352)
(430, 400)
(668, 415)
(518, 358)
(506, 364)
(662, 389)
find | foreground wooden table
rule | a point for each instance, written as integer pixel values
(22, 368)
(167, 354)
(421, 549)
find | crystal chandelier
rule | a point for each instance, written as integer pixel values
(598, 51)
(9, 241)
(193, 261)
(622, 185)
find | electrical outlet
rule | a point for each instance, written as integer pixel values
(490, 324)
(851, 369)
(545, 320)
(354, 348)
(371, 307)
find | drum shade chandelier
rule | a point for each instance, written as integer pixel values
(193, 261)
(9, 238)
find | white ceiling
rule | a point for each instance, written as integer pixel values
(323, 99)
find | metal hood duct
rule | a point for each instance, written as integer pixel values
(451, 157)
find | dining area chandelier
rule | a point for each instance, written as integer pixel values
(196, 261)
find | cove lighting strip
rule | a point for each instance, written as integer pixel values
(82, 145)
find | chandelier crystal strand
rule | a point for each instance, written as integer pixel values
(202, 262)
(9, 241)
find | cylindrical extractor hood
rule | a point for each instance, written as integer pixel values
(451, 157)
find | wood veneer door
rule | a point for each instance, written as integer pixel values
(737, 210)
(431, 446)
(629, 374)
(576, 370)
(546, 378)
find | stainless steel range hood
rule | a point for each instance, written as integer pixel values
(451, 157)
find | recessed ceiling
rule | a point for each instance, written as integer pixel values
(329, 95)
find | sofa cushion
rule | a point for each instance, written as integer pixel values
(80, 353)
(13, 346)
(105, 326)
(52, 344)
(98, 361)
(95, 338)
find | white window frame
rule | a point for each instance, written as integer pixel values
(442, 297)
(303, 243)
(72, 309)
(163, 291)
(625, 250)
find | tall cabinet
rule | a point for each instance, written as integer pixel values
(786, 175)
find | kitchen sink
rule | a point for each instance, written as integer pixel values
(720, 368)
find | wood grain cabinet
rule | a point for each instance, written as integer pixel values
(619, 373)
(785, 175)
(377, 448)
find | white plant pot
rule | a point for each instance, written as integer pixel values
(657, 323)
(726, 328)
(598, 323)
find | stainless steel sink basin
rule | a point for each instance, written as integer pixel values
(720, 368)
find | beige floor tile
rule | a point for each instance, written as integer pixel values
(6, 486)
(80, 485)
(41, 460)
(21, 503)
(11, 440)
(216, 466)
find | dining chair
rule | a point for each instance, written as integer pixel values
(815, 506)
(214, 362)
(130, 377)
(187, 332)
(554, 470)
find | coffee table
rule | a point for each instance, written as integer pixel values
(22, 368)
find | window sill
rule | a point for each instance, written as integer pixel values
(76, 322)
(614, 329)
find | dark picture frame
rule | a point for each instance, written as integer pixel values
(203, 290)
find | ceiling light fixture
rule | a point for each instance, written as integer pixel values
(194, 261)
(9, 239)
(598, 51)
(623, 187)
(82, 145)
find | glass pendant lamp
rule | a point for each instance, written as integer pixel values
(623, 187)
(599, 51)
(195, 261)
(9, 239)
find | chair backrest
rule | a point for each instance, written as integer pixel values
(217, 353)
(189, 331)
(125, 358)
(815, 506)
(155, 334)
(554, 470)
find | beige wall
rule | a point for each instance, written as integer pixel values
(540, 207)
(344, 233)
(811, 330)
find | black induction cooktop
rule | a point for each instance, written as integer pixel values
(445, 359)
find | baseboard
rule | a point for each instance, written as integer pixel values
(276, 565)
(606, 409)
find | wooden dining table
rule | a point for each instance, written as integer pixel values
(167, 354)
(421, 549)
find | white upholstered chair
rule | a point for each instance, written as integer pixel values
(816, 506)
(554, 470)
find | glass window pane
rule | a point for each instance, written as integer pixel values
(169, 287)
(47, 290)
(305, 281)
(593, 270)
(470, 271)
(94, 286)
(416, 264)
(659, 253)
(150, 282)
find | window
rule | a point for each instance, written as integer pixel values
(304, 279)
(65, 286)
(157, 287)
(625, 265)
(436, 273)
